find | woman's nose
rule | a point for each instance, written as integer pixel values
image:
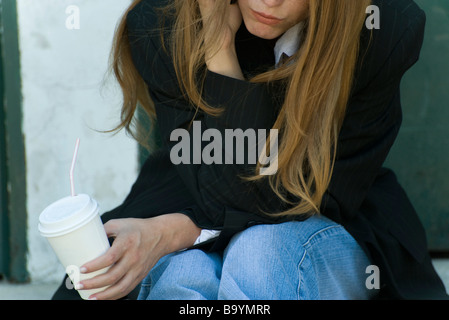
(272, 3)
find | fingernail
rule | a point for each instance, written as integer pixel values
(79, 286)
(83, 269)
(92, 298)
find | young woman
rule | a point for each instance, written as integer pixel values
(328, 222)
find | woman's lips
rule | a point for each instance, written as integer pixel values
(266, 19)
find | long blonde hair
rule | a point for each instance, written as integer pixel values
(318, 87)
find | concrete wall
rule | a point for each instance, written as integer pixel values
(65, 96)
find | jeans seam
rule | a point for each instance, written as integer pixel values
(145, 284)
(299, 273)
(305, 245)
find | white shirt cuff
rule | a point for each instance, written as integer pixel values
(206, 235)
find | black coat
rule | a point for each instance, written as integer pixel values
(363, 196)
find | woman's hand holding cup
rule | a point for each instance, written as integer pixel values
(138, 245)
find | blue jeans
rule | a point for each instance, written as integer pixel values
(312, 259)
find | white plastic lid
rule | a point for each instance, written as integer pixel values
(66, 215)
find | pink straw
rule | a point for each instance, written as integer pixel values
(72, 185)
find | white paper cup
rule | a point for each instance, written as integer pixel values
(74, 229)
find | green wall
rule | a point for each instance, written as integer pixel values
(4, 248)
(420, 156)
(13, 212)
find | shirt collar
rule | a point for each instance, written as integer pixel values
(289, 42)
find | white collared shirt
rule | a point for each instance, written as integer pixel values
(289, 42)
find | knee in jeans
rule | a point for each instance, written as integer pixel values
(254, 239)
(259, 247)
